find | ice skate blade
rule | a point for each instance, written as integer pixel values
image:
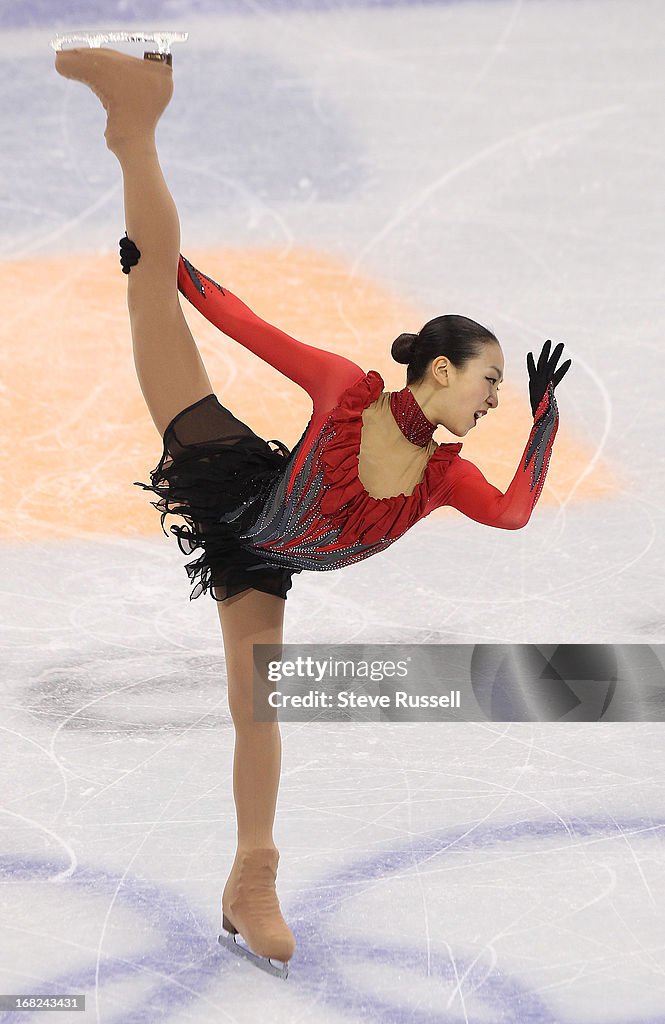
(163, 40)
(229, 940)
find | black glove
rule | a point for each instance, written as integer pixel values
(129, 254)
(540, 376)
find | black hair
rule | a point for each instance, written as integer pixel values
(456, 337)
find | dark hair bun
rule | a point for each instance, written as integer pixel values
(403, 348)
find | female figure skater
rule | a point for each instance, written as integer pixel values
(364, 472)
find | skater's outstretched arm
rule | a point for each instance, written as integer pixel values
(466, 489)
(324, 375)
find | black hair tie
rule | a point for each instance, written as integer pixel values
(129, 254)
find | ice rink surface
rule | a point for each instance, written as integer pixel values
(352, 170)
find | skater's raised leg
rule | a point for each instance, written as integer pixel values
(134, 93)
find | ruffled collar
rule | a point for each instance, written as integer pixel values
(367, 519)
(410, 418)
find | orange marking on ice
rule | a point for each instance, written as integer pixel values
(76, 429)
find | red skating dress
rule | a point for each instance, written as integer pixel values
(365, 470)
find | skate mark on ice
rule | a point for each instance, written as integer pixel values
(176, 972)
(475, 990)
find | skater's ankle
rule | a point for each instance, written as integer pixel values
(245, 848)
(128, 147)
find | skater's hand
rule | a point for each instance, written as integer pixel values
(129, 254)
(545, 372)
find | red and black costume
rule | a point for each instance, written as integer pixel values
(260, 514)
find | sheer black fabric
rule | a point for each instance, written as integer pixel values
(213, 464)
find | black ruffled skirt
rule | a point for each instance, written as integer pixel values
(212, 464)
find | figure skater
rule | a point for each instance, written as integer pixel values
(365, 470)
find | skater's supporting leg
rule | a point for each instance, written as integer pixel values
(135, 92)
(250, 901)
(252, 617)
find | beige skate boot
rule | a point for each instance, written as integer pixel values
(250, 907)
(134, 92)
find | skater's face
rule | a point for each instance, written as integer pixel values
(464, 396)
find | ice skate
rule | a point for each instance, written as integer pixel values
(250, 908)
(134, 92)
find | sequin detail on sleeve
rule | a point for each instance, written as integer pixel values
(539, 450)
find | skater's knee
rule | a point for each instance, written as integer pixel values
(250, 704)
(250, 722)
